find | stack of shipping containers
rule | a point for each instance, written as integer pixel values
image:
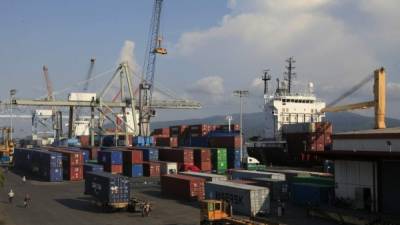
(72, 163)
(219, 160)
(111, 160)
(132, 163)
(202, 159)
(45, 165)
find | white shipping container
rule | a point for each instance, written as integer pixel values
(207, 176)
(245, 199)
(81, 96)
(246, 174)
(168, 167)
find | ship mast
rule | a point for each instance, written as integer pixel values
(266, 77)
(290, 74)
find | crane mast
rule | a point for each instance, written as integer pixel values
(146, 85)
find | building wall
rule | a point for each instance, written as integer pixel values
(351, 175)
(366, 144)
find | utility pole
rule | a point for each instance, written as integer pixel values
(266, 77)
(241, 94)
(12, 95)
(290, 74)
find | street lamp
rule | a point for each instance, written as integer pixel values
(12, 95)
(241, 94)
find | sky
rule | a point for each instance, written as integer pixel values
(214, 47)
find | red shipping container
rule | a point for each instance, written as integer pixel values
(201, 129)
(177, 131)
(151, 169)
(225, 142)
(234, 127)
(73, 173)
(182, 187)
(180, 156)
(202, 159)
(132, 156)
(161, 131)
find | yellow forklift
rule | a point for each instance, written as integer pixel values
(6, 146)
(218, 212)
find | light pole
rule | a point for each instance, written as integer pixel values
(241, 94)
(12, 95)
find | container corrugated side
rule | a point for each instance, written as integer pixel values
(247, 200)
(207, 176)
(245, 174)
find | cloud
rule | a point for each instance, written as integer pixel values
(262, 34)
(211, 85)
(127, 55)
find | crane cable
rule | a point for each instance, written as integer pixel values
(352, 90)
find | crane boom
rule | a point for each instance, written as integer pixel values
(146, 86)
(379, 102)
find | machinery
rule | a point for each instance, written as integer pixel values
(146, 86)
(220, 212)
(6, 145)
(379, 102)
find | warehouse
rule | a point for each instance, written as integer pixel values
(366, 165)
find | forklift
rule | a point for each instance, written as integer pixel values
(219, 212)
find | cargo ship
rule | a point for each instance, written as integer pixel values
(294, 123)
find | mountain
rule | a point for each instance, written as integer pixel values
(254, 122)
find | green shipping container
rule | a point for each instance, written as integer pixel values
(219, 160)
(314, 180)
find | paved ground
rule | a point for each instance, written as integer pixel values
(64, 204)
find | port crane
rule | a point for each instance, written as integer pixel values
(379, 102)
(154, 48)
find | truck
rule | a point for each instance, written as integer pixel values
(112, 193)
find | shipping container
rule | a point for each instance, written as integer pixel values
(168, 167)
(225, 142)
(133, 170)
(182, 187)
(73, 173)
(225, 127)
(107, 188)
(314, 194)
(70, 158)
(200, 129)
(234, 161)
(110, 157)
(149, 154)
(45, 165)
(142, 141)
(219, 160)
(92, 152)
(245, 199)
(181, 156)
(200, 141)
(161, 131)
(113, 168)
(202, 159)
(90, 167)
(132, 156)
(206, 176)
(246, 174)
(151, 169)
(279, 189)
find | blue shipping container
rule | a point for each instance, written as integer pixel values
(149, 154)
(314, 194)
(198, 141)
(108, 157)
(233, 158)
(107, 188)
(137, 170)
(90, 167)
(138, 141)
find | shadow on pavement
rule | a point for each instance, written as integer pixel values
(83, 204)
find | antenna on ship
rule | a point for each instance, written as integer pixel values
(290, 74)
(266, 77)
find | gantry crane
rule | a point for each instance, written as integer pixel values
(379, 102)
(154, 48)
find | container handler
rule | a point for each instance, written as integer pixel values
(6, 146)
(218, 212)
